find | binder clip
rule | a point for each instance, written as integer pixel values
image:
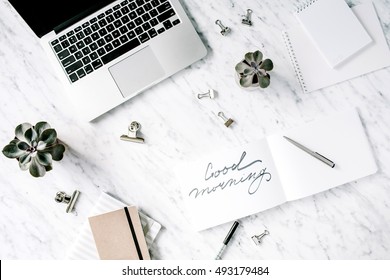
(62, 197)
(228, 121)
(224, 30)
(247, 18)
(257, 238)
(131, 136)
(210, 94)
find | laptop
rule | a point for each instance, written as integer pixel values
(106, 52)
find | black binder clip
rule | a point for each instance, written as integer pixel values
(131, 136)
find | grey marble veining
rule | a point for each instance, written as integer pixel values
(348, 222)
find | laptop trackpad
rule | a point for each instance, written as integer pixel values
(136, 72)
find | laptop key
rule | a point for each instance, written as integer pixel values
(80, 44)
(123, 29)
(117, 23)
(110, 18)
(176, 22)
(144, 37)
(153, 22)
(78, 55)
(88, 69)
(117, 14)
(110, 27)
(100, 16)
(68, 61)
(166, 15)
(132, 6)
(57, 48)
(85, 24)
(140, 2)
(72, 49)
(63, 54)
(97, 64)
(93, 56)
(95, 36)
(63, 37)
(146, 17)
(153, 13)
(88, 40)
(131, 25)
(54, 42)
(152, 33)
(86, 60)
(101, 42)
(93, 46)
(73, 78)
(161, 30)
(167, 24)
(77, 29)
(109, 11)
(125, 10)
(124, 2)
(132, 15)
(116, 7)
(131, 35)
(125, 19)
(80, 35)
(138, 21)
(116, 43)
(72, 39)
(123, 39)
(95, 27)
(101, 51)
(70, 69)
(140, 11)
(108, 47)
(108, 38)
(93, 20)
(116, 34)
(148, 7)
(103, 32)
(139, 30)
(65, 44)
(81, 73)
(163, 7)
(121, 50)
(155, 3)
(70, 33)
(146, 26)
(87, 31)
(102, 22)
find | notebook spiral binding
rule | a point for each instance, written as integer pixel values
(306, 5)
(294, 61)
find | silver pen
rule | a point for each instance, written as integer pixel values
(312, 153)
(227, 239)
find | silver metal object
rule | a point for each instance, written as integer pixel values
(312, 153)
(224, 29)
(131, 136)
(210, 94)
(257, 238)
(247, 18)
(62, 197)
(227, 121)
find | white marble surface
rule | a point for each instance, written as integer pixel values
(349, 222)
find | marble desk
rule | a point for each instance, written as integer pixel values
(348, 222)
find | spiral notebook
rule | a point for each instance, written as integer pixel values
(333, 28)
(314, 73)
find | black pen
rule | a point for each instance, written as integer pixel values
(227, 239)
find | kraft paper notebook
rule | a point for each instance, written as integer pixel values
(314, 73)
(238, 182)
(118, 235)
(333, 29)
(84, 247)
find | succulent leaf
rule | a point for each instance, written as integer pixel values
(246, 81)
(249, 57)
(25, 158)
(40, 127)
(21, 129)
(24, 166)
(241, 67)
(41, 146)
(30, 135)
(12, 151)
(49, 136)
(257, 57)
(264, 81)
(44, 159)
(23, 146)
(36, 169)
(48, 167)
(267, 65)
(57, 152)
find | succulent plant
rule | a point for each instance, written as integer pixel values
(35, 147)
(253, 69)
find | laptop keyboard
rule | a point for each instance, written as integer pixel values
(112, 33)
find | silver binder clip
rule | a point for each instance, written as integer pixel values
(224, 30)
(227, 121)
(131, 136)
(257, 238)
(62, 197)
(247, 18)
(210, 94)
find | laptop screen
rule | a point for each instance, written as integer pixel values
(44, 16)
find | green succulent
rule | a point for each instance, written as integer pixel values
(253, 70)
(35, 147)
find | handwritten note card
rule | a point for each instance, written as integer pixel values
(238, 182)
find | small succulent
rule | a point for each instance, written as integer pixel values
(253, 69)
(35, 147)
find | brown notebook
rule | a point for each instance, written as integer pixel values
(119, 236)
